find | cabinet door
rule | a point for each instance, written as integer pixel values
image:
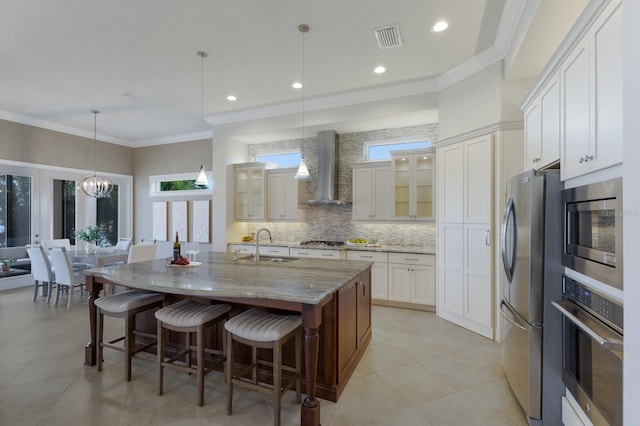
(423, 285)
(422, 201)
(290, 193)
(607, 52)
(402, 177)
(363, 298)
(257, 193)
(379, 281)
(399, 282)
(275, 196)
(347, 318)
(477, 279)
(243, 193)
(478, 173)
(362, 194)
(550, 123)
(450, 266)
(449, 166)
(533, 135)
(575, 121)
(380, 193)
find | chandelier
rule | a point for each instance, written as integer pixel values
(94, 185)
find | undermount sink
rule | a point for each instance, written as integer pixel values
(268, 259)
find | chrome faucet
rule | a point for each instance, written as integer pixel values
(257, 259)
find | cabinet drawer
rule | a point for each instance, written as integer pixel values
(371, 256)
(242, 248)
(412, 259)
(274, 250)
(315, 253)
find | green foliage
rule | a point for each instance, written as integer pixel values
(92, 234)
(179, 185)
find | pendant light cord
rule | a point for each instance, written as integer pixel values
(95, 139)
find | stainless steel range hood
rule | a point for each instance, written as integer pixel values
(327, 179)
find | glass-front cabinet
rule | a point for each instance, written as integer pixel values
(412, 176)
(249, 191)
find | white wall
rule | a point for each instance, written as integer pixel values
(472, 103)
(631, 197)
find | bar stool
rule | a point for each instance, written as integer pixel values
(260, 329)
(127, 305)
(188, 316)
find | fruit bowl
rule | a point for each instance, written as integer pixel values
(189, 265)
(357, 242)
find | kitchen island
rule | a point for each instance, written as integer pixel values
(334, 294)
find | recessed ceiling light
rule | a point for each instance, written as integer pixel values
(297, 85)
(231, 98)
(379, 69)
(439, 26)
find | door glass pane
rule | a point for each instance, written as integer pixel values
(15, 210)
(107, 217)
(64, 209)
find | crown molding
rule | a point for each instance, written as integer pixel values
(185, 137)
(482, 131)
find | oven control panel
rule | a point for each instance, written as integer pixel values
(594, 302)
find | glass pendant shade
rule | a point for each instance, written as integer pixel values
(303, 172)
(94, 185)
(202, 177)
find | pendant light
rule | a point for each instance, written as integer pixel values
(303, 171)
(202, 176)
(94, 185)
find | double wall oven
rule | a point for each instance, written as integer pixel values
(592, 321)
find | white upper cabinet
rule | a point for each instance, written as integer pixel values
(371, 188)
(282, 194)
(249, 191)
(542, 127)
(412, 185)
(591, 98)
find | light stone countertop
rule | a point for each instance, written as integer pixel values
(301, 281)
(382, 248)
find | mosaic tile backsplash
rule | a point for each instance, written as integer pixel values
(334, 222)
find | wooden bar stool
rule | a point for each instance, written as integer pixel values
(127, 305)
(187, 317)
(260, 329)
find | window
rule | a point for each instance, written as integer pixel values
(107, 217)
(15, 210)
(381, 150)
(64, 211)
(281, 160)
(177, 185)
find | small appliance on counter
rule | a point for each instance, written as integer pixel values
(531, 241)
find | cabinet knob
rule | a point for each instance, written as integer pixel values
(582, 160)
(588, 157)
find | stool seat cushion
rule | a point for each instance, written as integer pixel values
(262, 326)
(188, 313)
(126, 301)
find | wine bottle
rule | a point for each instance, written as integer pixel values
(176, 248)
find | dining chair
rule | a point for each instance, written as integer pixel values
(147, 241)
(142, 253)
(43, 275)
(57, 243)
(123, 244)
(65, 276)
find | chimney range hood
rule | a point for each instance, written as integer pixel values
(327, 179)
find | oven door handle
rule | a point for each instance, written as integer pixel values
(508, 318)
(608, 344)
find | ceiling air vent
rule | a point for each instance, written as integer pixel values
(388, 36)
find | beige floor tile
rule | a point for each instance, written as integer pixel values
(415, 383)
(413, 358)
(366, 397)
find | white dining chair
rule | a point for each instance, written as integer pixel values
(142, 253)
(43, 275)
(123, 244)
(57, 243)
(65, 277)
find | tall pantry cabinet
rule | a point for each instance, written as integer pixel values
(465, 200)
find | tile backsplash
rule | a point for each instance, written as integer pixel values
(334, 222)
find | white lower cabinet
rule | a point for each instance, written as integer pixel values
(378, 270)
(242, 248)
(412, 278)
(264, 249)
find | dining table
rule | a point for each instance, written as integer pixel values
(99, 258)
(333, 293)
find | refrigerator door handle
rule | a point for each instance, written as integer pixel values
(508, 262)
(508, 317)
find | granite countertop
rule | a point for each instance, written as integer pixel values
(302, 281)
(383, 247)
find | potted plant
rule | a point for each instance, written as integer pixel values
(91, 235)
(5, 264)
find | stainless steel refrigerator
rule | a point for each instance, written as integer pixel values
(531, 245)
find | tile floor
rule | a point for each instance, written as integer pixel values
(418, 370)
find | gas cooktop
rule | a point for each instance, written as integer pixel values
(322, 243)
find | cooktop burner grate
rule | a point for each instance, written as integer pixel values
(322, 243)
